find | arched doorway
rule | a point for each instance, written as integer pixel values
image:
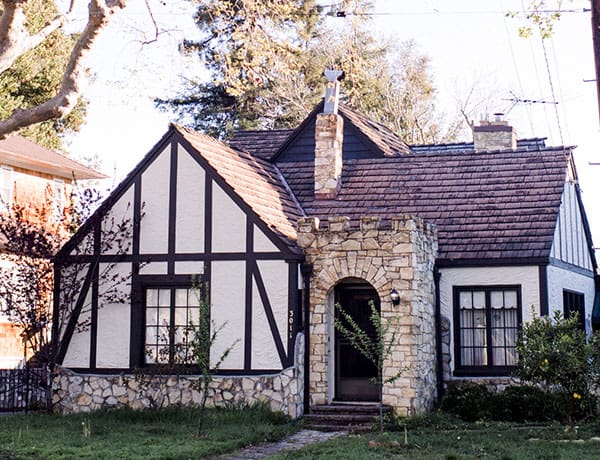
(353, 372)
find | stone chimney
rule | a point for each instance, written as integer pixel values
(494, 135)
(329, 136)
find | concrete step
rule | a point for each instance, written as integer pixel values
(344, 416)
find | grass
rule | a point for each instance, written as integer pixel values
(128, 434)
(442, 437)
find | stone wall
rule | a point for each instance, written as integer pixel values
(78, 392)
(400, 257)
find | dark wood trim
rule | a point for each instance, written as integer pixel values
(137, 314)
(306, 270)
(172, 209)
(66, 339)
(184, 257)
(586, 224)
(56, 315)
(94, 306)
(248, 297)
(269, 314)
(509, 262)
(570, 267)
(437, 275)
(294, 313)
(543, 282)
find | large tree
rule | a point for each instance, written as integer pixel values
(42, 70)
(266, 60)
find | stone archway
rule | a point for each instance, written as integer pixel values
(353, 372)
(399, 256)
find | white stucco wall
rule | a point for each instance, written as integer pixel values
(227, 296)
(275, 278)
(261, 242)
(559, 279)
(526, 276)
(112, 340)
(189, 235)
(189, 268)
(228, 223)
(154, 229)
(119, 213)
(78, 353)
(154, 268)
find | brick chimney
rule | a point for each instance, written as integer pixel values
(494, 135)
(329, 136)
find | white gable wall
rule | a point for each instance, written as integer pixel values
(190, 204)
(229, 223)
(155, 201)
(570, 243)
(112, 348)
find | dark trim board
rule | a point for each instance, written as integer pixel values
(446, 263)
(543, 284)
(570, 267)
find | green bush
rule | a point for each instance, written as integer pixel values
(469, 401)
(524, 404)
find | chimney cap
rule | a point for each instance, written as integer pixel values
(333, 75)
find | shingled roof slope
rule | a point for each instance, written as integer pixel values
(262, 144)
(23, 153)
(258, 182)
(487, 206)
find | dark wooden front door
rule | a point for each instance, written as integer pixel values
(354, 372)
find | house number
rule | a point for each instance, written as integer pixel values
(291, 324)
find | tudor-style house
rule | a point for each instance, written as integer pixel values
(281, 225)
(31, 175)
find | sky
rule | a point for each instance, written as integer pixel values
(474, 47)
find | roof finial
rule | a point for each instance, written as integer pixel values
(332, 92)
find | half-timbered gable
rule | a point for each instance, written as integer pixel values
(191, 213)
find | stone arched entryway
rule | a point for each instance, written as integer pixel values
(354, 373)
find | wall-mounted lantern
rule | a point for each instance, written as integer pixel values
(395, 296)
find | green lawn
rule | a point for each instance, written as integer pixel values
(128, 434)
(440, 437)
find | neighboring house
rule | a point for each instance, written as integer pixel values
(30, 173)
(475, 237)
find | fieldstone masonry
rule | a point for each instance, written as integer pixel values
(283, 392)
(401, 257)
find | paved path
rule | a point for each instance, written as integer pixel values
(294, 442)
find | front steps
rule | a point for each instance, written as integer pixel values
(344, 417)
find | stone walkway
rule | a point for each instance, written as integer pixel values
(294, 442)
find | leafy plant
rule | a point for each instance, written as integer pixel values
(556, 355)
(376, 349)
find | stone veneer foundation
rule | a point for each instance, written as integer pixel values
(77, 392)
(400, 257)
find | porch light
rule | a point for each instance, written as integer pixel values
(395, 297)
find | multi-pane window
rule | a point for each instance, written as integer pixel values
(169, 312)
(6, 186)
(487, 322)
(574, 302)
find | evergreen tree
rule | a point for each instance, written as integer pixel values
(266, 61)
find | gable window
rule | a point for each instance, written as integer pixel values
(486, 324)
(169, 311)
(6, 186)
(574, 302)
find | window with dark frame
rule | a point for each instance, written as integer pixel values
(487, 323)
(169, 311)
(574, 302)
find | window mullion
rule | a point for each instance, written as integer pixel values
(488, 328)
(172, 325)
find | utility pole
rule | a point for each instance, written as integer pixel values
(596, 41)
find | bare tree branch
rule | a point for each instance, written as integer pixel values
(74, 78)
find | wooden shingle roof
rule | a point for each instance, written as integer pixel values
(258, 182)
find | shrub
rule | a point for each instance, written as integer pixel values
(469, 401)
(558, 356)
(524, 404)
